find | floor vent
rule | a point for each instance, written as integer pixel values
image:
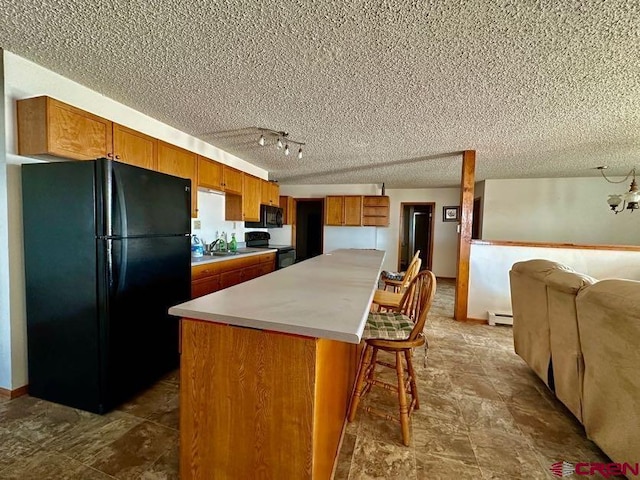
(500, 318)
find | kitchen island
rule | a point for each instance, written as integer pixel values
(267, 369)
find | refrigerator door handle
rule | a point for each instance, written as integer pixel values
(117, 265)
(120, 201)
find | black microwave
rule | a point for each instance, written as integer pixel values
(270, 217)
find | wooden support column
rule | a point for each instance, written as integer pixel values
(467, 184)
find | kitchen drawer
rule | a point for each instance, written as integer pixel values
(266, 268)
(229, 279)
(238, 263)
(267, 257)
(250, 273)
(203, 271)
(205, 286)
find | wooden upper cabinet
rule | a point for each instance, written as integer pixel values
(288, 206)
(375, 211)
(180, 163)
(134, 148)
(210, 174)
(47, 126)
(232, 180)
(251, 198)
(275, 193)
(353, 210)
(343, 210)
(270, 194)
(334, 210)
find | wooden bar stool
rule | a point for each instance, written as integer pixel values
(397, 332)
(384, 299)
(400, 285)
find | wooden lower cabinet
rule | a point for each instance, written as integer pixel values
(205, 286)
(261, 404)
(211, 277)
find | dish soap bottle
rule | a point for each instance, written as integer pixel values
(222, 242)
(233, 244)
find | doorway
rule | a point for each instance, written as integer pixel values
(416, 233)
(309, 228)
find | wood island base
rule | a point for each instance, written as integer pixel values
(261, 404)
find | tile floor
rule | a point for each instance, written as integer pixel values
(483, 414)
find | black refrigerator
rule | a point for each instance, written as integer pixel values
(107, 252)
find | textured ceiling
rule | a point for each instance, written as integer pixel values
(384, 90)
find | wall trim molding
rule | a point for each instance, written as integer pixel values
(513, 243)
(11, 394)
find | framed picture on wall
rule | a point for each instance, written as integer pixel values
(451, 214)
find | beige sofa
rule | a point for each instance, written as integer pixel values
(587, 334)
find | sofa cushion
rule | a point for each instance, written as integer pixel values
(609, 327)
(531, 337)
(568, 282)
(566, 353)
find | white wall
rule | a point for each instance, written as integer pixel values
(558, 210)
(490, 264)
(24, 79)
(445, 241)
(386, 238)
(211, 217)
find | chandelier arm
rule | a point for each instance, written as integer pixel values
(632, 172)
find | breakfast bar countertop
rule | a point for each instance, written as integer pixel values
(324, 297)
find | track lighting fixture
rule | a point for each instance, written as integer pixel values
(283, 139)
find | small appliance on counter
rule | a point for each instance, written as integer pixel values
(286, 254)
(270, 217)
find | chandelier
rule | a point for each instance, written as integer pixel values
(267, 136)
(629, 200)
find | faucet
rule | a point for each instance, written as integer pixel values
(212, 245)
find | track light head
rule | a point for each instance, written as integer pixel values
(283, 140)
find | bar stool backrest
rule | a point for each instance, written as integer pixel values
(417, 300)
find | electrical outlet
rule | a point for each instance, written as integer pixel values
(234, 225)
(196, 224)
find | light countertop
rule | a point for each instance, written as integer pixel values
(242, 252)
(324, 297)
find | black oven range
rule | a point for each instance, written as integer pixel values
(286, 254)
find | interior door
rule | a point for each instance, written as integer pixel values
(421, 236)
(142, 202)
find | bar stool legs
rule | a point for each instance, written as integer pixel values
(402, 397)
(405, 388)
(362, 373)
